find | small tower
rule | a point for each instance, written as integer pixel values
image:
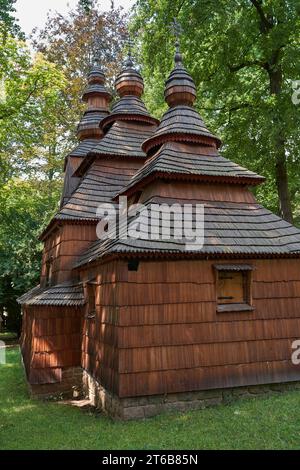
(89, 132)
(129, 86)
(181, 122)
(97, 98)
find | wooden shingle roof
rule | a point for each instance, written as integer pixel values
(124, 139)
(191, 162)
(181, 123)
(92, 118)
(129, 108)
(84, 147)
(100, 184)
(95, 88)
(61, 295)
(231, 230)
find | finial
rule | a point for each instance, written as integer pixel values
(180, 88)
(177, 30)
(129, 81)
(128, 61)
(96, 60)
(96, 74)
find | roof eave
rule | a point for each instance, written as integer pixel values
(109, 120)
(182, 255)
(175, 136)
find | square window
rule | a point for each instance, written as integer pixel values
(233, 287)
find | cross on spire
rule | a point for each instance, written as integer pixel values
(177, 30)
(96, 54)
(129, 43)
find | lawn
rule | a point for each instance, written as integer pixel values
(7, 336)
(262, 423)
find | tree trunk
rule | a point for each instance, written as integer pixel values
(281, 174)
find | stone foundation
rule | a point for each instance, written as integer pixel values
(69, 387)
(148, 406)
(78, 383)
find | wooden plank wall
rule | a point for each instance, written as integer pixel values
(171, 339)
(50, 341)
(199, 192)
(65, 245)
(26, 338)
(99, 334)
(70, 182)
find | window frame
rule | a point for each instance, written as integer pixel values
(246, 271)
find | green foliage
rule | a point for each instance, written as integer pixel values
(232, 58)
(40, 106)
(86, 5)
(256, 423)
(8, 23)
(25, 207)
(30, 169)
(29, 119)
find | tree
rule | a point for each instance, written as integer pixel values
(243, 55)
(30, 98)
(8, 23)
(25, 206)
(86, 5)
(30, 173)
(71, 43)
(40, 106)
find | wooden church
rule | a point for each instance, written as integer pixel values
(144, 325)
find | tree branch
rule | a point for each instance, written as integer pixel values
(235, 107)
(254, 63)
(23, 103)
(266, 25)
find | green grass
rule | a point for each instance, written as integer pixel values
(262, 423)
(8, 336)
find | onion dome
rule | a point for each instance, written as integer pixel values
(129, 85)
(97, 98)
(181, 123)
(180, 87)
(129, 81)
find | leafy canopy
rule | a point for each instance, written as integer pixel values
(236, 51)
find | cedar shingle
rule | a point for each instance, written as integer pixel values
(84, 147)
(62, 294)
(180, 120)
(124, 139)
(186, 160)
(230, 228)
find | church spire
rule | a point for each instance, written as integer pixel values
(180, 88)
(129, 86)
(181, 122)
(97, 98)
(129, 81)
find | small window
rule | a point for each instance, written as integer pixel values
(91, 300)
(133, 265)
(233, 288)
